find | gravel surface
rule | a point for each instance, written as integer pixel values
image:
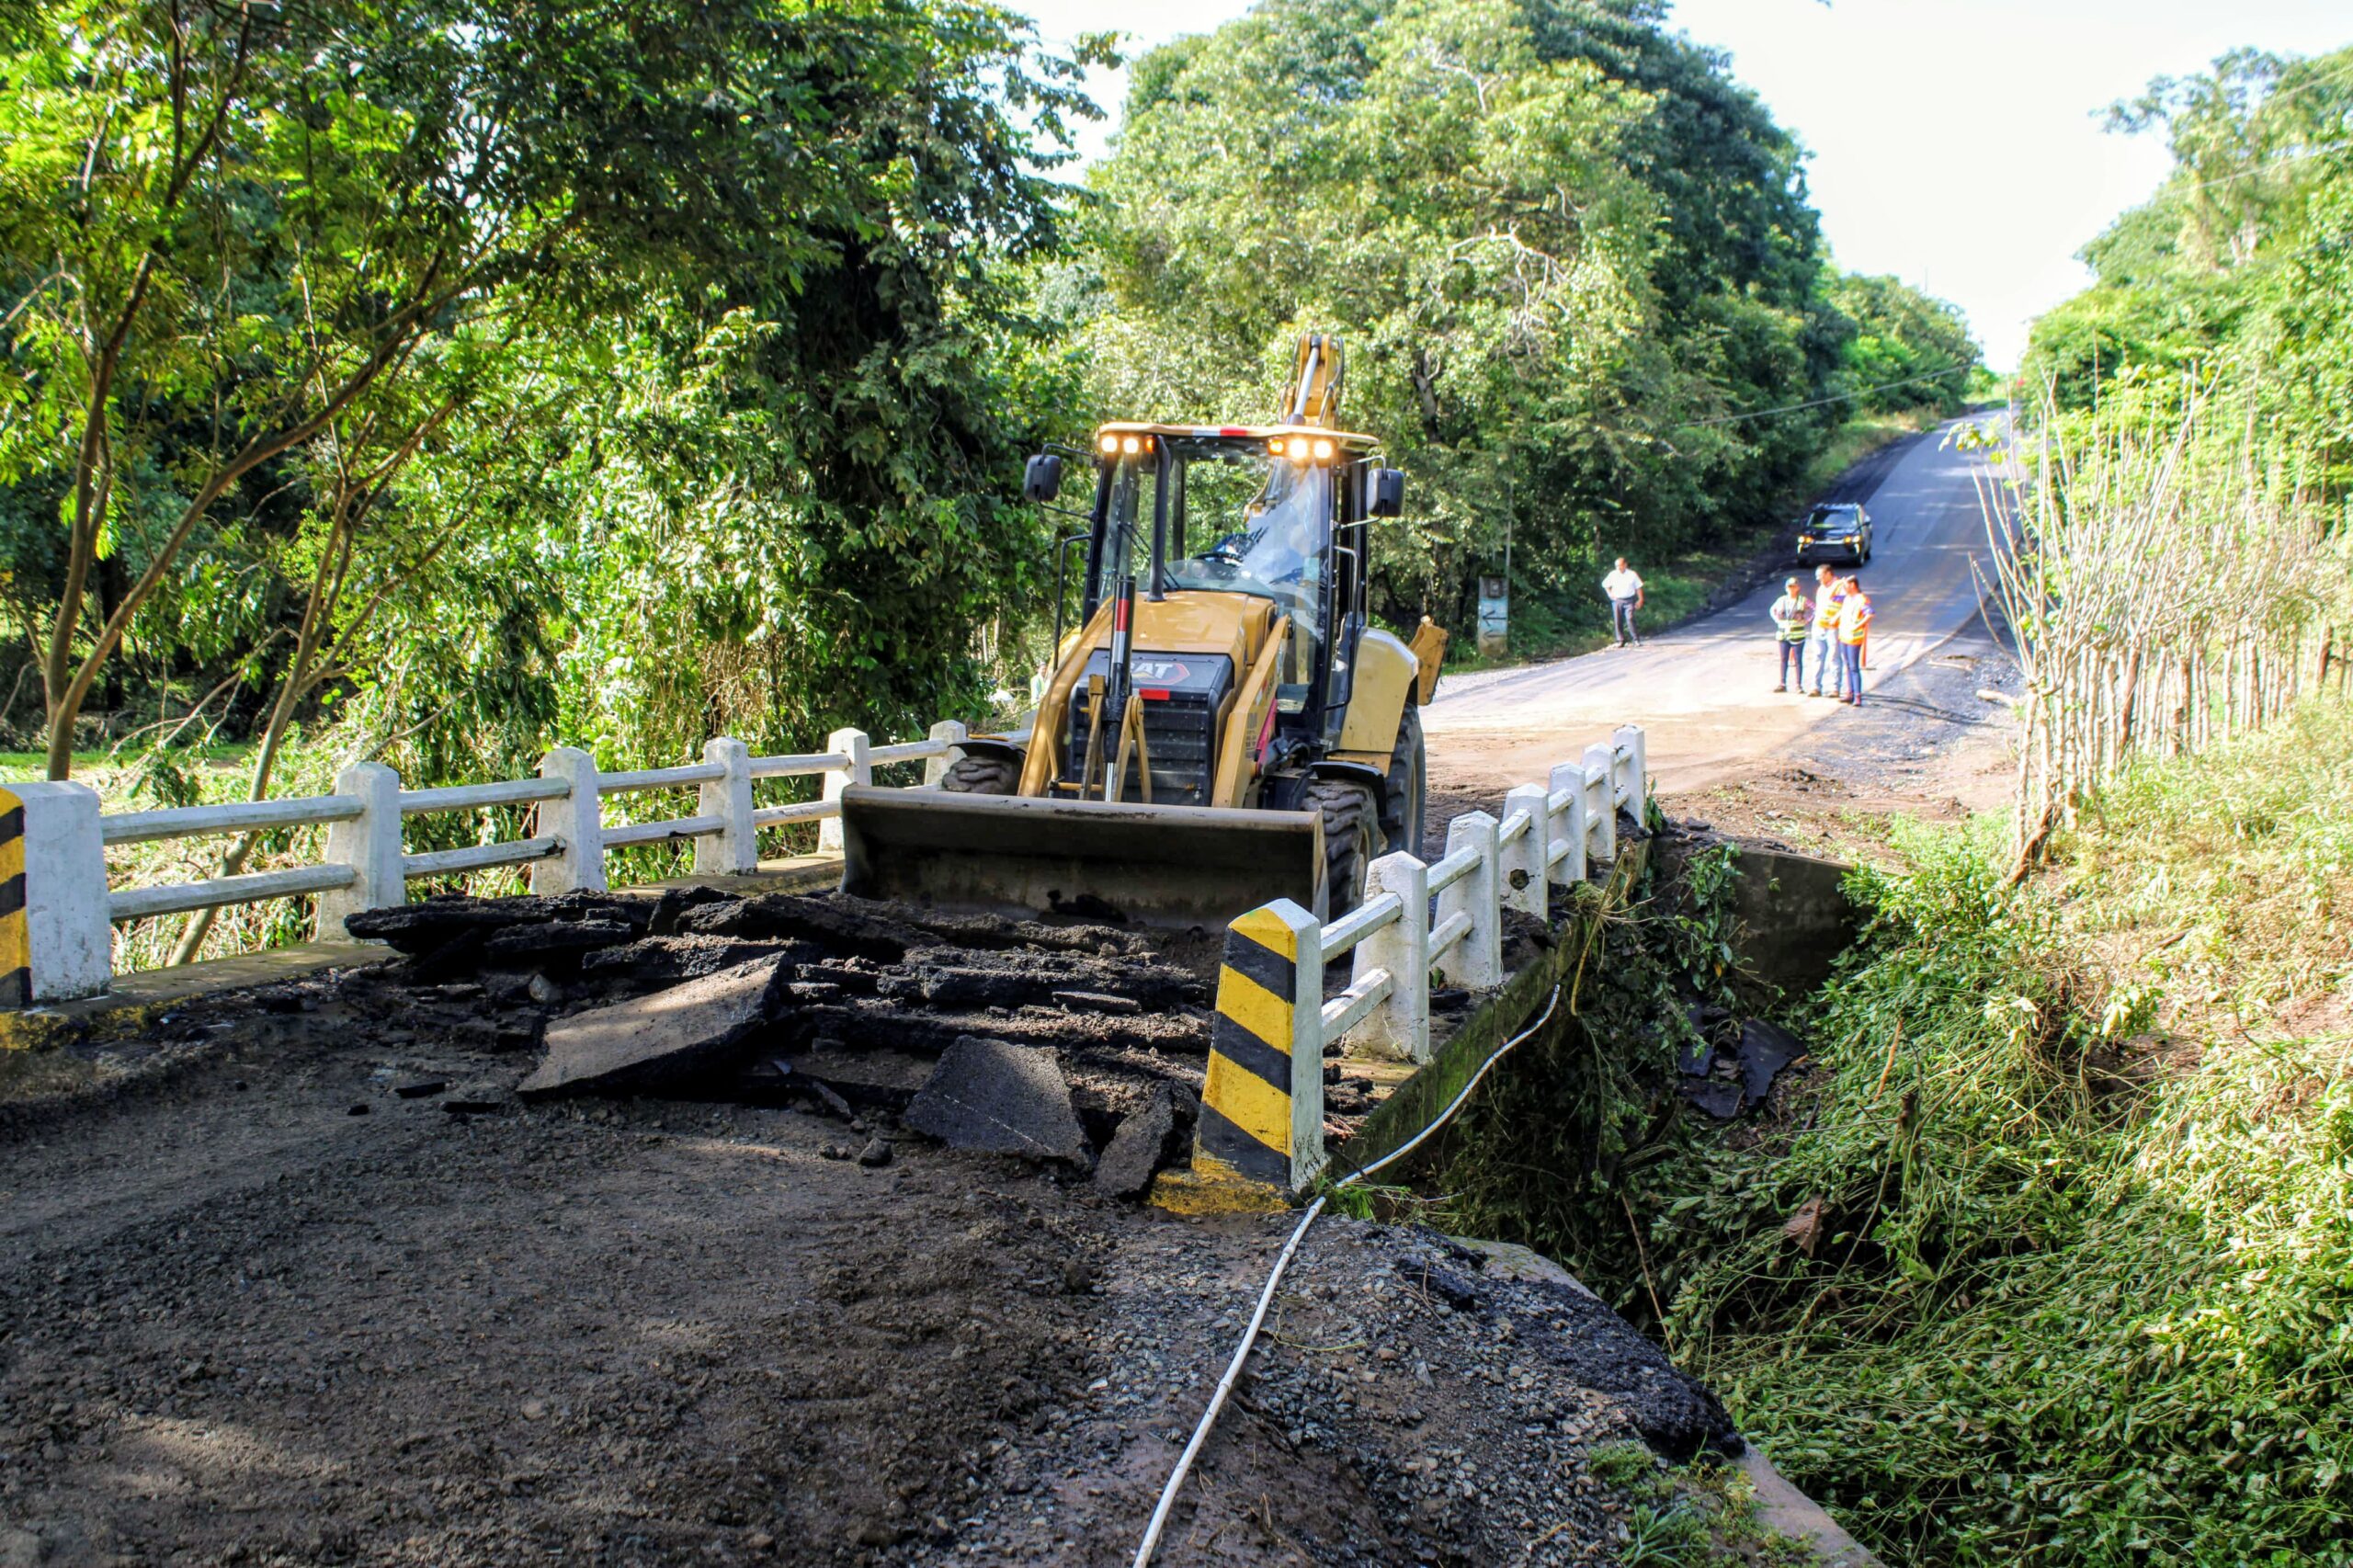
(293, 1278)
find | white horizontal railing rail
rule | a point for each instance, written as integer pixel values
(1445, 921)
(1417, 925)
(191, 822)
(366, 866)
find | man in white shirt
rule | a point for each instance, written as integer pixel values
(1625, 591)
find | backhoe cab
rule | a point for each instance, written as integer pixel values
(1221, 726)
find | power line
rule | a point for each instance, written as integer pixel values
(1822, 401)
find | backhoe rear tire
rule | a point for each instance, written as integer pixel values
(1405, 802)
(983, 774)
(1351, 830)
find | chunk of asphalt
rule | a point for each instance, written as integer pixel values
(1765, 1050)
(1098, 1002)
(414, 928)
(1136, 1150)
(653, 1041)
(1714, 1097)
(556, 939)
(674, 903)
(993, 1096)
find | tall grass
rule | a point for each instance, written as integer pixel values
(2080, 1284)
(2172, 578)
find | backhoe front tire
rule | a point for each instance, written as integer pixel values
(1405, 802)
(1351, 830)
(983, 774)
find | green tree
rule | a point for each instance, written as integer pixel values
(223, 228)
(1909, 348)
(1559, 244)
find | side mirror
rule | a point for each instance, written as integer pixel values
(1388, 498)
(1042, 480)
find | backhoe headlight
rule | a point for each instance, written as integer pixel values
(1110, 446)
(1322, 451)
(1131, 446)
(1299, 449)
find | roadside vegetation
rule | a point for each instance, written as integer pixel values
(2179, 514)
(435, 384)
(2049, 1257)
(2058, 1267)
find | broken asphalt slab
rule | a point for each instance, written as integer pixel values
(993, 1096)
(1136, 1150)
(660, 1039)
(1765, 1050)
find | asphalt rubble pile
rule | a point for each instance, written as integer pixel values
(1081, 1046)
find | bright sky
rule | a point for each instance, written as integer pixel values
(1954, 145)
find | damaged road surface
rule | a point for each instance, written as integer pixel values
(298, 1275)
(998, 1035)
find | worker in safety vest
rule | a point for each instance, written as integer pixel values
(1792, 614)
(1829, 596)
(1854, 635)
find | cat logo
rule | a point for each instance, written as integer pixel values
(1163, 672)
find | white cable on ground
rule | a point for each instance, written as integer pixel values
(1151, 1543)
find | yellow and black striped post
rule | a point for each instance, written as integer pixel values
(1262, 1103)
(15, 944)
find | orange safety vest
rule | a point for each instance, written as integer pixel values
(1855, 618)
(1827, 611)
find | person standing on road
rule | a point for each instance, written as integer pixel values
(1625, 591)
(1829, 596)
(1790, 614)
(1854, 635)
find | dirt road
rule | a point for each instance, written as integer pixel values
(1704, 693)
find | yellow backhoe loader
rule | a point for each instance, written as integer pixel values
(1222, 727)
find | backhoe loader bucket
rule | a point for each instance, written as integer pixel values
(1015, 855)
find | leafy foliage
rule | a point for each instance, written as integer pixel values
(2239, 258)
(1562, 246)
(1909, 350)
(641, 328)
(2077, 1288)
(1568, 1143)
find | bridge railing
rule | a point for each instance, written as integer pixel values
(55, 931)
(1263, 1099)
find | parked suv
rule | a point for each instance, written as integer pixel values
(1839, 531)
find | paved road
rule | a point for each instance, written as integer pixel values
(1704, 692)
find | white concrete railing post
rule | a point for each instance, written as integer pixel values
(577, 823)
(369, 844)
(1603, 825)
(1630, 738)
(1401, 1025)
(1569, 778)
(56, 942)
(854, 746)
(950, 732)
(735, 848)
(1520, 863)
(1477, 959)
